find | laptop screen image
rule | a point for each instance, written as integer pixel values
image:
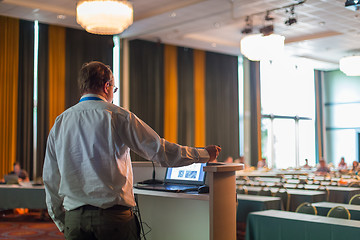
(190, 175)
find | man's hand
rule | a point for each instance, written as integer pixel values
(213, 151)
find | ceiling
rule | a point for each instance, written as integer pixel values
(325, 30)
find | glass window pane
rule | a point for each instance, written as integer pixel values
(287, 89)
(306, 142)
(284, 143)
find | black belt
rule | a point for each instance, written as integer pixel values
(115, 207)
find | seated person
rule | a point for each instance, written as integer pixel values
(306, 166)
(21, 173)
(262, 164)
(241, 160)
(229, 160)
(355, 167)
(323, 169)
(342, 166)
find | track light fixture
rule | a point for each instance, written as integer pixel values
(292, 18)
(248, 27)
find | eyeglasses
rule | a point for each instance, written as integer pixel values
(115, 88)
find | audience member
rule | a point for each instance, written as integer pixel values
(342, 166)
(323, 169)
(21, 173)
(306, 166)
(229, 160)
(262, 164)
(355, 167)
(241, 160)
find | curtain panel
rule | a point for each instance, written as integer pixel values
(222, 103)
(9, 60)
(147, 84)
(194, 92)
(83, 47)
(43, 125)
(186, 96)
(25, 134)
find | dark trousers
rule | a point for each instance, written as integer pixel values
(89, 223)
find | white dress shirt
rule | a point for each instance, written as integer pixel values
(88, 161)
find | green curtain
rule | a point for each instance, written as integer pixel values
(43, 96)
(186, 96)
(147, 84)
(222, 105)
(24, 145)
(83, 47)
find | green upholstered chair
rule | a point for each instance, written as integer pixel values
(241, 190)
(355, 200)
(354, 184)
(339, 212)
(326, 190)
(264, 191)
(306, 208)
(285, 198)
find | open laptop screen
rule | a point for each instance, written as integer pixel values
(192, 174)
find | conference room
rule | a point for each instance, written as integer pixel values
(275, 84)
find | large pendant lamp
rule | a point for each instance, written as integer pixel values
(350, 65)
(106, 17)
(258, 47)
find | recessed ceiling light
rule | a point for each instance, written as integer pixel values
(61, 16)
(322, 23)
(36, 10)
(173, 14)
(213, 44)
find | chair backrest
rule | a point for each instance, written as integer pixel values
(355, 200)
(325, 189)
(354, 184)
(265, 192)
(306, 208)
(339, 212)
(241, 190)
(285, 198)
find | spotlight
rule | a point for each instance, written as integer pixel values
(352, 4)
(292, 18)
(267, 30)
(248, 27)
(290, 21)
(246, 30)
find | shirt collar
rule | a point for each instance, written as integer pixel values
(93, 95)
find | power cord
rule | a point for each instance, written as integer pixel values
(137, 213)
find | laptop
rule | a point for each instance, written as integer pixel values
(11, 179)
(179, 179)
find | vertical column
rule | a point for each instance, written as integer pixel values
(252, 112)
(222, 201)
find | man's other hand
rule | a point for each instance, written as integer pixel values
(213, 151)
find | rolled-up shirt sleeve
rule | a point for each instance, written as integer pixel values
(144, 141)
(51, 178)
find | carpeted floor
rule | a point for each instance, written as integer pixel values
(28, 226)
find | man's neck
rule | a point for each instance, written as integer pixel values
(101, 94)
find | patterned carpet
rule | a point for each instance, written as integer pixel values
(28, 226)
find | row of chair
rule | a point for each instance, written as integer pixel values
(335, 212)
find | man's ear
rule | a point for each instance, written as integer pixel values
(106, 87)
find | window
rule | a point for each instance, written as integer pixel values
(288, 112)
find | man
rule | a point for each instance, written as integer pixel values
(87, 170)
(21, 173)
(323, 169)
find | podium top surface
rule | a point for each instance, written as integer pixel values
(227, 167)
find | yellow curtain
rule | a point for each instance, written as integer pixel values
(199, 98)
(56, 72)
(170, 94)
(9, 59)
